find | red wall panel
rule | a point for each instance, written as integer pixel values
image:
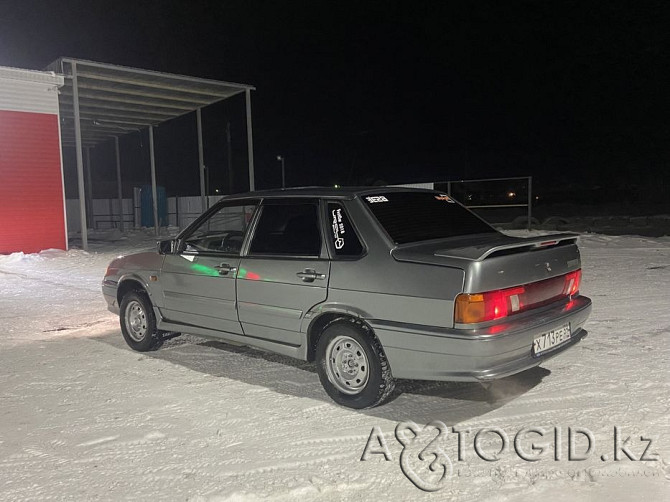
(31, 190)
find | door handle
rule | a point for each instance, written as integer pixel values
(225, 269)
(309, 275)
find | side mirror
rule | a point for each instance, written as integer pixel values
(167, 247)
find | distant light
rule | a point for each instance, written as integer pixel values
(279, 157)
(511, 195)
(337, 186)
(217, 190)
(537, 197)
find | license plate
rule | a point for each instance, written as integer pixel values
(550, 340)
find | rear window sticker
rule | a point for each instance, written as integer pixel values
(338, 228)
(376, 198)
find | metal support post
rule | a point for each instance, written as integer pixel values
(119, 187)
(154, 191)
(201, 160)
(89, 187)
(530, 199)
(80, 160)
(250, 140)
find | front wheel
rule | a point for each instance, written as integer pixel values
(138, 323)
(352, 366)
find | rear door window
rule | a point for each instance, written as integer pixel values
(287, 229)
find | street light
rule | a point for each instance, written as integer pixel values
(283, 179)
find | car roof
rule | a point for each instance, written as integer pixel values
(323, 192)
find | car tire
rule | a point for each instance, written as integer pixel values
(138, 323)
(352, 366)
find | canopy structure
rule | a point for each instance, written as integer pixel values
(101, 101)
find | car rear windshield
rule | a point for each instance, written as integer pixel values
(421, 216)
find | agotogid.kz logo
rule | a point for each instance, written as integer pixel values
(434, 467)
(440, 467)
(426, 464)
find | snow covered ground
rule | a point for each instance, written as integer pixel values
(82, 417)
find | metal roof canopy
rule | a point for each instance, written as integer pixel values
(100, 101)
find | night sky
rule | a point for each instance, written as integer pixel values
(573, 93)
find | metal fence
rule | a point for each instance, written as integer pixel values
(488, 196)
(481, 195)
(104, 213)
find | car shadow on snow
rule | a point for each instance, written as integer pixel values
(420, 401)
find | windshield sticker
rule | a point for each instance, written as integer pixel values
(338, 228)
(444, 197)
(376, 198)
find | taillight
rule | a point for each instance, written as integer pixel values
(489, 306)
(572, 281)
(493, 305)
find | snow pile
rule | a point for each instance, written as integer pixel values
(653, 226)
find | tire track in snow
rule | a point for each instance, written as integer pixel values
(287, 465)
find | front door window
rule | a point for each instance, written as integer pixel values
(223, 232)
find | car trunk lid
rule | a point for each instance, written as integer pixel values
(497, 261)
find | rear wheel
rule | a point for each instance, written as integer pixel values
(352, 366)
(138, 323)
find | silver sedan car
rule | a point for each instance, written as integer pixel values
(372, 284)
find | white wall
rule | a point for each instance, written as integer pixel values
(29, 90)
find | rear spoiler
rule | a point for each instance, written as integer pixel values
(522, 245)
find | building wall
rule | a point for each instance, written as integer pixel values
(29, 91)
(32, 201)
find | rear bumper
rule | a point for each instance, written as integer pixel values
(432, 353)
